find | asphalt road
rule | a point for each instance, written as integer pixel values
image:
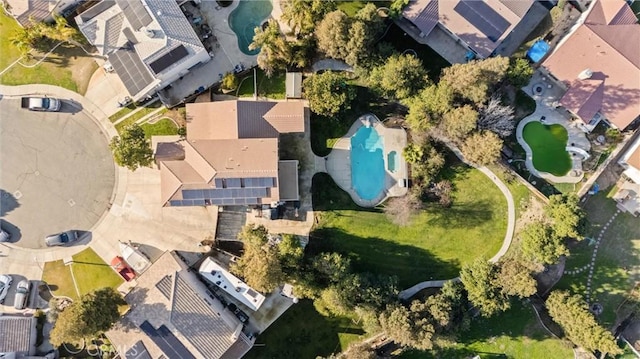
(56, 174)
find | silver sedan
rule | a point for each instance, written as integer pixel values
(61, 239)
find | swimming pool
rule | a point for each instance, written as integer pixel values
(367, 163)
(245, 18)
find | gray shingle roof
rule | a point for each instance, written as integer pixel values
(15, 334)
(204, 328)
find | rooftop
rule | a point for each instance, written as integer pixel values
(229, 283)
(596, 62)
(480, 24)
(17, 334)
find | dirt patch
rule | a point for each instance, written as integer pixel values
(533, 211)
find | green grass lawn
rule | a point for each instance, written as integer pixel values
(434, 246)
(515, 333)
(548, 145)
(271, 87)
(89, 270)
(67, 66)
(351, 7)
(163, 127)
(142, 112)
(301, 332)
(118, 115)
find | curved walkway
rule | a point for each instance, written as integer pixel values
(508, 237)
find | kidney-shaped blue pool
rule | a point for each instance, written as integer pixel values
(367, 163)
(245, 18)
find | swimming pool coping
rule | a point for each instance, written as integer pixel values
(338, 162)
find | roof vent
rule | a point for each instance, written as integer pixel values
(150, 33)
(586, 74)
(159, 12)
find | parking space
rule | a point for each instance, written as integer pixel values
(57, 172)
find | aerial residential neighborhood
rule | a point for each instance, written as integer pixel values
(319, 179)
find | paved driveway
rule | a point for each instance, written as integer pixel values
(57, 172)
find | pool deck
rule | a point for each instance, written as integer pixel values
(576, 137)
(338, 162)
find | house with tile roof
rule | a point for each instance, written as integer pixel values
(230, 155)
(148, 43)
(460, 30)
(17, 335)
(599, 64)
(628, 194)
(173, 315)
(25, 11)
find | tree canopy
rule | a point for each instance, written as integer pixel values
(579, 325)
(260, 263)
(519, 72)
(93, 314)
(475, 79)
(497, 118)
(400, 77)
(480, 279)
(515, 278)
(275, 51)
(328, 93)
(567, 217)
(429, 105)
(333, 34)
(540, 243)
(458, 122)
(132, 149)
(482, 148)
(302, 15)
(31, 36)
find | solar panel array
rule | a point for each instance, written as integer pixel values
(166, 341)
(169, 59)
(483, 17)
(229, 191)
(131, 70)
(135, 12)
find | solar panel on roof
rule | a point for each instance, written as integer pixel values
(198, 202)
(239, 201)
(166, 341)
(137, 351)
(218, 182)
(483, 17)
(192, 194)
(227, 193)
(187, 202)
(216, 193)
(227, 201)
(234, 183)
(135, 12)
(96, 10)
(131, 70)
(251, 200)
(175, 203)
(169, 59)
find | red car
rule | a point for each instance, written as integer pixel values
(119, 265)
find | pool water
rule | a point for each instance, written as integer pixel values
(367, 163)
(245, 18)
(548, 144)
(391, 161)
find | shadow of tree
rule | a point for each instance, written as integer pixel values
(8, 202)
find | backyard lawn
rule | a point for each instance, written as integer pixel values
(617, 260)
(302, 332)
(270, 87)
(515, 333)
(548, 145)
(68, 66)
(89, 270)
(163, 127)
(434, 246)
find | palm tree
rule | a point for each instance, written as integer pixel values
(301, 15)
(275, 51)
(61, 31)
(23, 39)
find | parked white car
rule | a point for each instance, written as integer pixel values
(22, 294)
(5, 283)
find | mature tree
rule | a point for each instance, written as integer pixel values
(400, 77)
(448, 309)
(579, 325)
(132, 149)
(260, 264)
(328, 93)
(567, 217)
(458, 122)
(401, 210)
(516, 278)
(333, 34)
(331, 267)
(480, 279)
(302, 15)
(290, 252)
(275, 51)
(497, 118)
(229, 81)
(60, 30)
(426, 162)
(473, 80)
(482, 148)
(442, 192)
(396, 7)
(364, 290)
(429, 105)
(407, 327)
(95, 313)
(519, 72)
(540, 243)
